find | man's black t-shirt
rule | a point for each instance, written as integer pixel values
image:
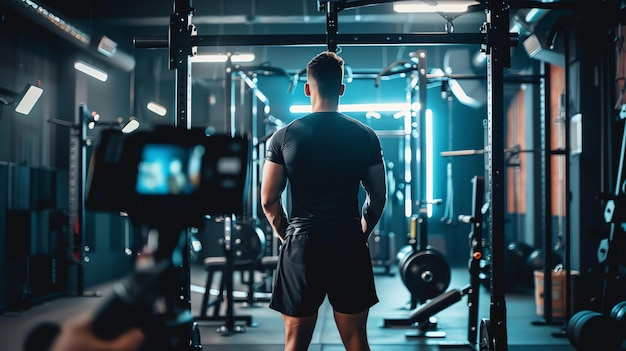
(326, 155)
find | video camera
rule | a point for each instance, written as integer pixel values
(181, 173)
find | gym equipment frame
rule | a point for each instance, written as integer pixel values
(494, 38)
(422, 317)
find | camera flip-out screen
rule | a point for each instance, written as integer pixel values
(173, 171)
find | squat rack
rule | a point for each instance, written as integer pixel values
(494, 37)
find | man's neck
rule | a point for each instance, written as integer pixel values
(323, 105)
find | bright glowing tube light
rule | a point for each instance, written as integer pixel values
(429, 161)
(421, 7)
(131, 126)
(29, 98)
(157, 108)
(91, 71)
(222, 58)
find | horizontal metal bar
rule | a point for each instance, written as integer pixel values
(365, 39)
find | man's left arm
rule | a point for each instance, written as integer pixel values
(375, 186)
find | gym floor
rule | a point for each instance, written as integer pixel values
(525, 329)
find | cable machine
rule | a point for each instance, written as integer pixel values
(182, 40)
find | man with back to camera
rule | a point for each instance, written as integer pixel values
(326, 156)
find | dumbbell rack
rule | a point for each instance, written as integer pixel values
(587, 328)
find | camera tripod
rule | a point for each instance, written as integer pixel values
(155, 297)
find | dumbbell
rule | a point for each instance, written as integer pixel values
(587, 330)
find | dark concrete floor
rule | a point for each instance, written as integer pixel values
(266, 332)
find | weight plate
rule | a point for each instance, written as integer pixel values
(426, 274)
(247, 240)
(572, 326)
(618, 311)
(592, 329)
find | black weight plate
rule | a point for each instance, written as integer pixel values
(618, 311)
(572, 327)
(248, 242)
(402, 253)
(618, 314)
(594, 329)
(426, 274)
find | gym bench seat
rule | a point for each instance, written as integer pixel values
(265, 265)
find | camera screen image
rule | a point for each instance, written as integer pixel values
(169, 169)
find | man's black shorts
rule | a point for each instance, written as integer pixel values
(324, 259)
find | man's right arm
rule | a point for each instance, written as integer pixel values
(272, 185)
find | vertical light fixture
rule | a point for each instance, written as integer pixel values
(428, 124)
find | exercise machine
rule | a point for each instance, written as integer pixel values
(422, 317)
(423, 270)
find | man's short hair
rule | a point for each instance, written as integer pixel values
(327, 70)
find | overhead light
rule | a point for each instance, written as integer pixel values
(106, 46)
(24, 101)
(536, 50)
(127, 127)
(27, 100)
(91, 71)
(425, 7)
(222, 58)
(157, 108)
(131, 126)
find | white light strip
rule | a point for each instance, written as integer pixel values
(29, 100)
(421, 7)
(222, 58)
(428, 124)
(132, 125)
(157, 108)
(91, 71)
(382, 107)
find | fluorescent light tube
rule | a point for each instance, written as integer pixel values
(91, 71)
(421, 7)
(222, 58)
(131, 126)
(157, 108)
(29, 98)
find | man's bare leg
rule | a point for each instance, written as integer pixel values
(298, 332)
(353, 330)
